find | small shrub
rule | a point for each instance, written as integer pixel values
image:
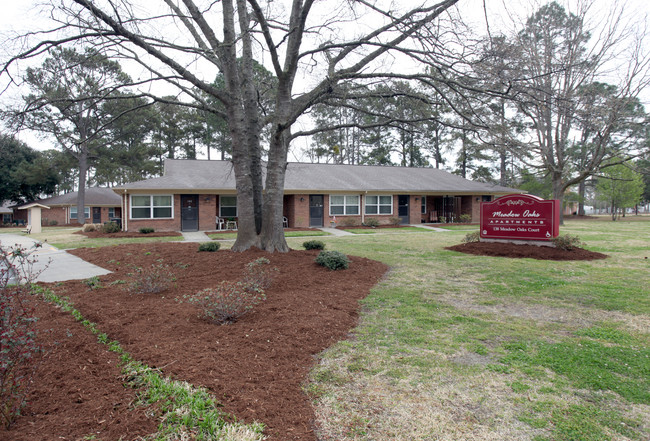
(472, 237)
(54, 222)
(567, 242)
(465, 218)
(110, 227)
(372, 222)
(229, 300)
(334, 260)
(146, 230)
(313, 245)
(442, 219)
(209, 246)
(394, 221)
(18, 348)
(93, 283)
(258, 275)
(348, 222)
(153, 279)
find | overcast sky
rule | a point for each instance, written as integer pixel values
(21, 16)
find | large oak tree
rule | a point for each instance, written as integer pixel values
(313, 48)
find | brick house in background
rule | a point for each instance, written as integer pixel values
(102, 205)
(192, 194)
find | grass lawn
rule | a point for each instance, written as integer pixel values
(233, 235)
(387, 230)
(64, 238)
(459, 347)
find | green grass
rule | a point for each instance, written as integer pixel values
(387, 230)
(458, 227)
(233, 235)
(522, 349)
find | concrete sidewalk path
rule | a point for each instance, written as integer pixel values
(195, 236)
(336, 232)
(56, 265)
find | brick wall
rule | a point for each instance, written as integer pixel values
(207, 212)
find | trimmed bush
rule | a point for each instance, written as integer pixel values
(209, 246)
(110, 227)
(348, 222)
(394, 221)
(88, 228)
(472, 237)
(567, 242)
(465, 218)
(372, 222)
(334, 260)
(313, 245)
(146, 230)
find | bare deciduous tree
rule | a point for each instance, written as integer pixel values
(323, 45)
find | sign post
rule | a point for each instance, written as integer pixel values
(520, 217)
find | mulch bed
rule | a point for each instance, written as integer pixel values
(256, 367)
(99, 234)
(499, 249)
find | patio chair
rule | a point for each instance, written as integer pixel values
(27, 230)
(221, 224)
(285, 222)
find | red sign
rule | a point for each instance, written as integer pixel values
(520, 217)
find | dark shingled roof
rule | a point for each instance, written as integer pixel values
(97, 196)
(183, 175)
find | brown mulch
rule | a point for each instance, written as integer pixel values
(255, 368)
(499, 249)
(99, 234)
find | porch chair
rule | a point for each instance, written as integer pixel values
(221, 224)
(285, 222)
(27, 230)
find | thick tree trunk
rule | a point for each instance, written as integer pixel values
(82, 157)
(558, 192)
(581, 198)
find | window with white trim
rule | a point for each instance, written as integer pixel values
(228, 206)
(73, 212)
(111, 212)
(424, 205)
(382, 204)
(151, 206)
(341, 205)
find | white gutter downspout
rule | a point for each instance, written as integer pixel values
(363, 208)
(125, 214)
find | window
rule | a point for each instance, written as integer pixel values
(151, 207)
(344, 205)
(73, 212)
(111, 212)
(228, 206)
(424, 205)
(379, 204)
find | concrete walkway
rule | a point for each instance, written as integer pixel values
(336, 232)
(195, 236)
(427, 227)
(53, 264)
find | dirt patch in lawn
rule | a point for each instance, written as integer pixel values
(499, 249)
(255, 368)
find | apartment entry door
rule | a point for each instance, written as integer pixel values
(403, 208)
(189, 212)
(316, 210)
